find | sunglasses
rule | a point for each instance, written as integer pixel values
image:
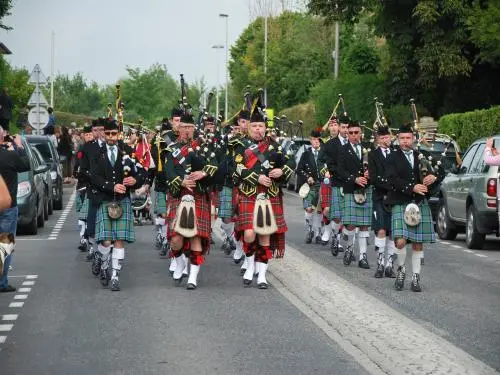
(112, 133)
(354, 132)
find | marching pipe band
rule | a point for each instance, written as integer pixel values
(235, 169)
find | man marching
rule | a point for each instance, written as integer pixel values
(330, 156)
(357, 205)
(189, 173)
(377, 167)
(311, 169)
(411, 216)
(261, 168)
(114, 174)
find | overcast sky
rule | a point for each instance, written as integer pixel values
(101, 37)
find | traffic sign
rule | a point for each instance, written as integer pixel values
(37, 98)
(37, 77)
(38, 117)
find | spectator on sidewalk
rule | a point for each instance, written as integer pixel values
(13, 159)
(5, 109)
(65, 149)
(50, 128)
(491, 155)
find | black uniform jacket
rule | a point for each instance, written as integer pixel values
(104, 176)
(307, 167)
(377, 167)
(329, 155)
(403, 178)
(90, 151)
(350, 167)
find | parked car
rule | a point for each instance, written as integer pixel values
(298, 147)
(468, 198)
(51, 158)
(31, 194)
(47, 179)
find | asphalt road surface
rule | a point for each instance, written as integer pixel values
(318, 317)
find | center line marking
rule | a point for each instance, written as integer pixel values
(26, 283)
(9, 317)
(468, 251)
(6, 327)
(481, 255)
(16, 304)
(62, 219)
(21, 296)
(24, 290)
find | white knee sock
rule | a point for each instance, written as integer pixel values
(363, 242)
(117, 258)
(391, 250)
(193, 274)
(317, 223)
(238, 253)
(227, 228)
(415, 261)
(173, 264)
(348, 236)
(380, 243)
(335, 227)
(261, 279)
(327, 232)
(309, 220)
(401, 256)
(83, 225)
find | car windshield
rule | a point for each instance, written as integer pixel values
(44, 149)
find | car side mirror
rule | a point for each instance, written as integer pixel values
(41, 169)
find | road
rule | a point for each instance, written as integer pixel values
(317, 317)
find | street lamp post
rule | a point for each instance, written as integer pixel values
(217, 47)
(226, 16)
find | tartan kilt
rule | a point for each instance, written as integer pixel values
(359, 215)
(160, 203)
(113, 230)
(202, 208)
(326, 196)
(381, 218)
(214, 198)
(336, 203)
(84, 208)
(312, 198)
(422, 233)
(226, 203)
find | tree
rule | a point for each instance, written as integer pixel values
(5, 6)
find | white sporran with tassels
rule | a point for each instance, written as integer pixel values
(185, 217)
(412, 215)
(264, 222)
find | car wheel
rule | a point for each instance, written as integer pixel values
(58, 204)
(445, 228)
(473, 239)
(32, 227)
(51, 206)
(40, 222)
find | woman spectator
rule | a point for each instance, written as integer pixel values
(65, 149)
(491, 156)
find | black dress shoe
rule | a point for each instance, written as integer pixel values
(104, 277)
(242, 271)
(389, 272)
(335, 246)
(115, 285)
(171, 273)
(8, 289)
(353, 257)
(400, 278)
(263, 286)
(341, 248)
(190, 286)
(89, 257)
(96, 264)
(309, 237)
(363, 263)
(318, 240)
(83, 245)
(379, 273)
(238, 261)
(247, 283)
(347, 256)
(415, 283)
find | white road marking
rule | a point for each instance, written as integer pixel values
(457, 247)
(24, 290)
(32, 277)
(444, 243)
(363, 325)
(6, 327)
(62, 219)
(9, 317)
(26, 283)
(2, 339)
(16, 304)
(21, 296)
(469, 251)
(481, 255)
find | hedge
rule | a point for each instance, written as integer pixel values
(304, 112)
(469, 126)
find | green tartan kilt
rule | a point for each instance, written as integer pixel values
(160, 203)
(113, 230)
(336, 204)
(80, 198)
(359, 215)
(422, 233)
(226, 203)
(312, 198)
(84, 208)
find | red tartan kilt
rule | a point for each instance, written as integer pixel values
(326, 195)
(202, 206)
(246, 206)
(235, 196)
(214, 198)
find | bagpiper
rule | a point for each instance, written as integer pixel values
(381, 223)
(313, 172)
(357, 203)
(411, 221)
(330, 156)
(190, 173)
(261, 169)
(114, 172)
(82, 203)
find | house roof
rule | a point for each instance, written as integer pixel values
(4, 50)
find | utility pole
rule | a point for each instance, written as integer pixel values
(52, 71)
(226, 16)
(336, 51)
(265, 56)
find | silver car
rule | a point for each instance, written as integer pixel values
(470, 198)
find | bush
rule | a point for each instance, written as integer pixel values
(304, 112)
(469, 126)
(65, 119)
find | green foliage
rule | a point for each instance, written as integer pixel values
(16, 81)
(358, 92)
(469, 126)
(484, 26)
(304, 112)
(361, 59)
(5, 6)
(65, 119)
